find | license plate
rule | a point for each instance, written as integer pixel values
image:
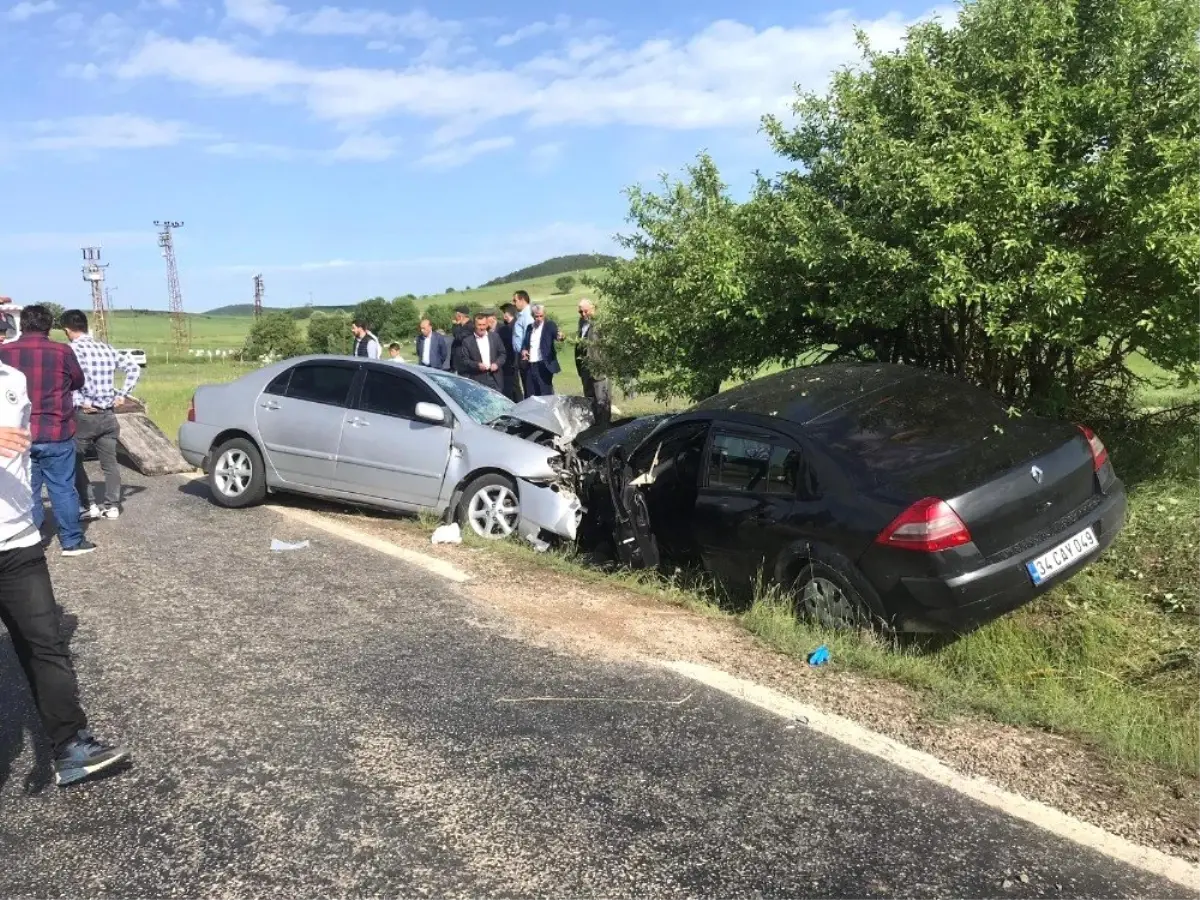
(1063, 556)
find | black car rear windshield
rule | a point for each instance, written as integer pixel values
(916, 423)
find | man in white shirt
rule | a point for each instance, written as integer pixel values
(481, 355)
(540, 353)
(27, 604)
(433, 350)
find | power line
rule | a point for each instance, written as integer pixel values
(179, 329)
(93, 274)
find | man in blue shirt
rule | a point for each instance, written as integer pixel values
(522, 323)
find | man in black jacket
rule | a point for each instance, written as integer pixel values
(512, 381)
(481, 355)
(462, 328)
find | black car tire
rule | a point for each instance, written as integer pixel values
(830, 594)
(226, 483)
(495, 485)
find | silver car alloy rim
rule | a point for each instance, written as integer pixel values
(233, 472)
(827, 604)
(494, 512)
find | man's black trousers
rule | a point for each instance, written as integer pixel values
(30, 614)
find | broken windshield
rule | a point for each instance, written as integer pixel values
(480, 403)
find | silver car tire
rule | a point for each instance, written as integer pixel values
(490, 507)
(237, 477)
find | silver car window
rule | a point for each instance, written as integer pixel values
(480, 403)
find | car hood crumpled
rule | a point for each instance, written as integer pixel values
(564, 416)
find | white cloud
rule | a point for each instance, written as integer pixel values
(85, 72)
(26, 10)
(724, 76)
(369, 147)
(251, 150)
(265, 15)
(268, 17)
(454, 155)
(319, 265)
(110, 132)
(522, 33)
(544, 156)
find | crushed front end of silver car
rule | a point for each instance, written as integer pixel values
(552, 505)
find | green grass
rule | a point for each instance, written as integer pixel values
(563, 308)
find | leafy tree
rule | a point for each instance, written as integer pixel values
(329, 332)
(1013, 200)
(274, 336)
(375, 312)
(449, 290)
(440, 315)
(674, 315)
(300, 313)
(56, 311)
(402, 321)
(564, 283)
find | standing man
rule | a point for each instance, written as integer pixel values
(512, 384)
(365, 343)
(481, 355)
(521, 324)
(461, 330)
(27, 605)
(52, 375)
(433, 350)
(595, 384)
(95, 412)
(540, 353)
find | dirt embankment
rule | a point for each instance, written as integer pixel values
(605, 619)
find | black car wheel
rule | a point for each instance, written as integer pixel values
(827, 596)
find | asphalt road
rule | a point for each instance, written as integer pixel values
(332, 722)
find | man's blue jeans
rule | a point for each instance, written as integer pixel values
(53, 464)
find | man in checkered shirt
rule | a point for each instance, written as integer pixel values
(95, 413)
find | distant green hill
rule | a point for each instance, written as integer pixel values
(247, 309)
(559, 265)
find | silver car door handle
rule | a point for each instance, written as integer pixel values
(270, 404)
(357, 422)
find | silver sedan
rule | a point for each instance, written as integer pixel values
(391, 435)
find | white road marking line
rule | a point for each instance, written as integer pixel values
(354, 535)
(1149, 860)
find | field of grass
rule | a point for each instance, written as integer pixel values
(1111, 657)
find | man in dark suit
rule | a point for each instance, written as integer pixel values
(481, 356)
(461, 329)
(539, 354)
(433, 349)
(512, 383)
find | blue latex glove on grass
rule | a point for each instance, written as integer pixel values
(819, 657)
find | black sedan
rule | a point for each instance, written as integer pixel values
(874, 494)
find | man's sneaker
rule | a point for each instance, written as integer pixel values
(84, 757)
(84, 546)
(111, 512)
(87, 513)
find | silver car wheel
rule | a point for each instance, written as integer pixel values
(233, 472)
(494, 512)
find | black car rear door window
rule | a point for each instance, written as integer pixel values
(755, 464)
(328, 384)
(393, 394)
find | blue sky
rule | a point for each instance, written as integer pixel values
(348, 151)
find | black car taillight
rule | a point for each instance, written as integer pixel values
(1099, 451)
(927, 526)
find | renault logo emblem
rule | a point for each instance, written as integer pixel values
(1037, 474)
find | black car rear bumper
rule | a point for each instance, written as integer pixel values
(920, 600)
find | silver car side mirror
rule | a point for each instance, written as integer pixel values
(431, 412)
